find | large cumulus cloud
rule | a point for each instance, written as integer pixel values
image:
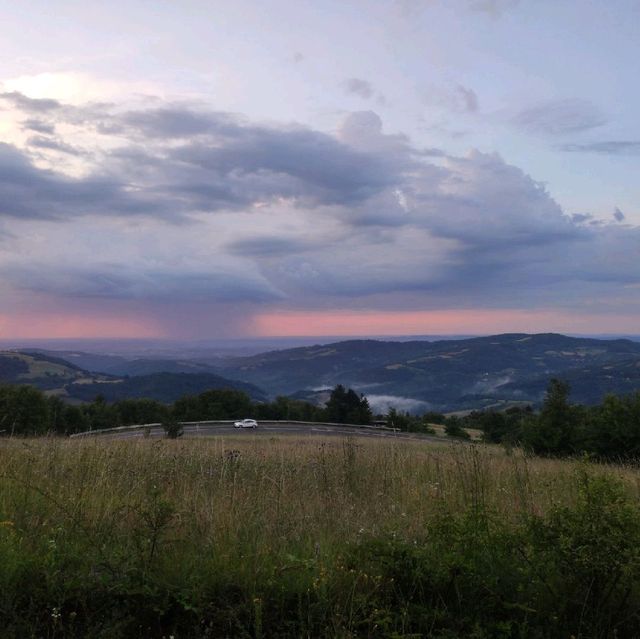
(177, 160)
(175, 201)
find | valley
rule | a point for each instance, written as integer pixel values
(419, 375)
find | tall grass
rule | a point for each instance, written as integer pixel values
(258, 537)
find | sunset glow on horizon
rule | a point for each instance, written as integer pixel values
(63, 326)
(455, 322)
(191, 171)
(326, 323)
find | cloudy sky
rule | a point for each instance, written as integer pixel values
(212, 168)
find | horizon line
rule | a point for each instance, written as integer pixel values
(338, 337)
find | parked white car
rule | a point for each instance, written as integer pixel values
(246, 423)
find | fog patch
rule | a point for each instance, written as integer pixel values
(382, 403)
(490, 384)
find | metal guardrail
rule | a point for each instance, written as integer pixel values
(230, 422)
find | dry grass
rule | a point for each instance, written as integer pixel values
(180, 514)
(274, 493)
(474, 433)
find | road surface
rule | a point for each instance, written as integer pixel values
(208, 429)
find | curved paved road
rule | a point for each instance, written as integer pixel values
(208, 429)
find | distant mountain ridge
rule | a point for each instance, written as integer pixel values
(60, 377)
(126, 366)
(441, 375)
(451, 374)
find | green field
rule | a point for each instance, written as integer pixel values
(257, 537)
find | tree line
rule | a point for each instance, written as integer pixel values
(607, 431)
(25, 410)
(610, 430)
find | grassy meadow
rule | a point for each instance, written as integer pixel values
(285, 537)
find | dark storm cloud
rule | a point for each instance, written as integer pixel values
(301, 164)
(611, 147)
(567, 272)
(478, 200)
(175, 122)
(453, 228)
(268, 246)
(220, 163)
(110, 281)
(559, 117)
(468, 273)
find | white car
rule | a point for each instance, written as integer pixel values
(246, 423)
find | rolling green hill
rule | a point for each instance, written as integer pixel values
(451, 374)
(59, 377)
(44, 371)
(443, 375)
(163, 387)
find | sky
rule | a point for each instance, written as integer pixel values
(213, 168)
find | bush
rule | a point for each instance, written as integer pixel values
(453, 428)
(172, 428)
(588, 560)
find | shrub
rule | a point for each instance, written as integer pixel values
(453, 428)
(588, 560)
(172, 428)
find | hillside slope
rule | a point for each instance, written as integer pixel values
(163, 387)
(44, 371)
(451, 374)
(59, 377)
(127, 366)
(440, 375)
